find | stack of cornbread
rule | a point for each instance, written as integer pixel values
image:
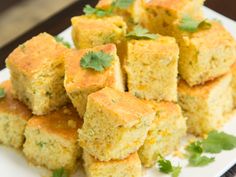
(129, 112)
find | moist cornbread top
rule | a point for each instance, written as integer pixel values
(104, 4)
(162, 46)
(63, 122)
(233, 68)
(200, 90)
(37, 53)
(165, 110)
(175, 5)
(89, 22)
(78, 77)
(10, 105)
(214, 36)
(128, 109)
(132, 158)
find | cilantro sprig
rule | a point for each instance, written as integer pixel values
(165, 166)
(2, 93)
(61, 172)
(218, 141)
(123, 4)
(117, 4)
(61, 40)
(141, 33)
(97, 61)
(214, 143)
(89, 10)
(198, 160)
(189, 24)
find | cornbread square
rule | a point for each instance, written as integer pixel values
(89, 31)
(128, 167)
(115, 124)
(233, 83)
(80, 82)
(37, 73)
(160, 15)
(131, 15)
(151, 68)
(13, 118)
(205, 105)
(167, 129)
(51, 140)
(206, 54)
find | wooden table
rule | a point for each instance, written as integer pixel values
(61, 21)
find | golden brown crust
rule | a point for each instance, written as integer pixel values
(10, 105)
(200, 90)
(36, 53)
(78, 77)
(104, 4)
(233, 68)
(168, 4)
(216, 35)
(132, 158)
(127, 107)
(64, 122)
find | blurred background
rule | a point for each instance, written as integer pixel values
(18, 16)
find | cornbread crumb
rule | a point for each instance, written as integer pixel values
(166, 131)
(115, 124)
(37, 73)
(90, 31)
(205, 105)
(160, 15)
(131, 15)
(51, 140)
(205, 54)
(233, 83)
(80, 82)
(13, 118)
(152, 68)
(128, 167)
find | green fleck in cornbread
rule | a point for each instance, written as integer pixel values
(160, 15)
(115, 124)
(167, 129)
(80, 82)
(128, 167)
(205, 54)
(205, 105)
(51, 140)
(233, 83)
(151, 67)
(13, 118)
(89, 31)
(37, 73)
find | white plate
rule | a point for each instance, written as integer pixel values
(13, 164)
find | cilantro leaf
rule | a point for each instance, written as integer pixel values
(97, 61)
(176, 171)
(218, 141)
(88, 10)
(61, 172)
(195, 148)
(141, 33)
(123, 4)
(61, 40)
(2, 93)
(189, 24)
(197, 160)
(165, 166)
